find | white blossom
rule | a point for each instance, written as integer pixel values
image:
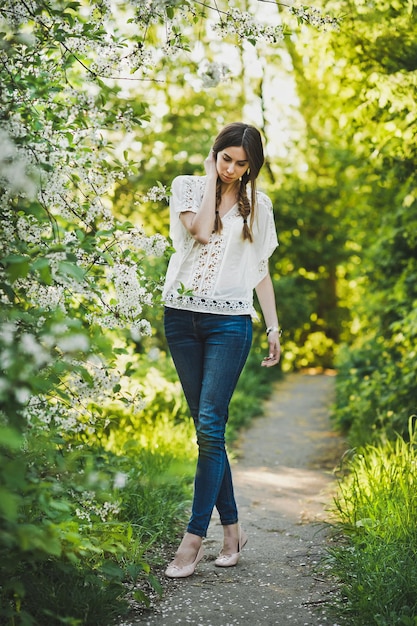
(213, 73)
(32, 231)
(247, 28)
(74, 342)
(88, 506)
(157, 193)
(139, 329)
(7, 333)
(22, 394)
(15, 167)
(30, 346)
(47, 297)
(120, 480)
(314, 17)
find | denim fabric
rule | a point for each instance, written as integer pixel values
(209, 352)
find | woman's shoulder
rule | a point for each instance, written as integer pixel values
(187, 179)
(263, 200)
(187, 192)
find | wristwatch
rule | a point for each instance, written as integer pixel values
(273, 329)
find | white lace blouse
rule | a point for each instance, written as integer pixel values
(220, 276)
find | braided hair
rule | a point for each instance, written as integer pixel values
(249, 138)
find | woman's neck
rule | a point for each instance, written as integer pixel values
(229, 189)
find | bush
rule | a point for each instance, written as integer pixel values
(376, 389)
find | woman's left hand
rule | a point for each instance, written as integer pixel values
(274, 350)
(210, 164)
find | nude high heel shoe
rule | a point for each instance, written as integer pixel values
(173, 571)
(228, 560)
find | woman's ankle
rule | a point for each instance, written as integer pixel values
(192, 538)
(231, 531)
(187, 550)
(190, 541)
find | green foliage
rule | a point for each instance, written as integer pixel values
(44, 548)
(59, 593)
(377, 509)
(376, 390)
(358, 193)
(357, 95)
(68, 516)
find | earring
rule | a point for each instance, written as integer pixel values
(248, 171)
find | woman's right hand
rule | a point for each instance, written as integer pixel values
(210, 164)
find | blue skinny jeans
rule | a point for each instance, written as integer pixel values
(209, 352)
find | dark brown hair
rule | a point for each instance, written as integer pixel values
(248, 137)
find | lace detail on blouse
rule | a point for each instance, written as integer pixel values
(193, 190)
(208, 265)
(208, 305)
(187, 243)
(263, 267)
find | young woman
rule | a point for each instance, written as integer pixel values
(222, 239)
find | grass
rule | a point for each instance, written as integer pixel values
(376, 561)
(61, 593)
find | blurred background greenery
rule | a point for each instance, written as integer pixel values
(94, 513)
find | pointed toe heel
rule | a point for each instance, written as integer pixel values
(173, 571)
(229, 560)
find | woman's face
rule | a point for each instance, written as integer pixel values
(231, 163)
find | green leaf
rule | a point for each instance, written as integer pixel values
(125, 226)
(40, 263)
(105, 234)
(140, 596)
(7, 290)
(14, 258)
(17, 266)
(10, 438)
(9, 503)
(72, 270)
(112, 570)
(60, 505)
(155, 584)
(42, 266)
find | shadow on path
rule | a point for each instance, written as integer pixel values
(284, 483)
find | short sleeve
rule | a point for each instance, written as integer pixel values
(265, 240)
(186, 195)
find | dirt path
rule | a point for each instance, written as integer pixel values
(283, 483)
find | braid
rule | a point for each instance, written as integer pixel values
(218, 226)
(244, 210)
